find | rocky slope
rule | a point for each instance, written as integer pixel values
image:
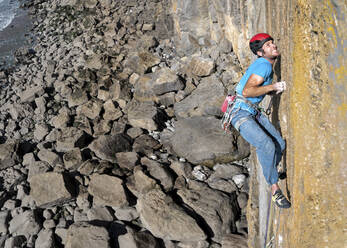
(110, 133)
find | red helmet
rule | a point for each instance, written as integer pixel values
(258, 40)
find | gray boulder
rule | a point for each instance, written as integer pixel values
(111, 112)
(8, 154)
(201, 66)
(127, 159)
(107, 146)
(49, 157)
(78, 97)
(107, 190)
(4, 218)
(206, 99)
(83, 234)
(69, 138)
(165, 219)
(90, 109)
(159, 172)
(140, 62)
(133, 239)
(234, 240)
(143, 115)
(30, 94)
(72, 159)
(214, 207)
(45, 239)
(25, 224)
(201, 140)
(142, 182)
(50, 188)
(160, 82)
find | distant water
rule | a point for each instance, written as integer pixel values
(8, 9)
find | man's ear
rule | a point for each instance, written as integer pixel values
(260, 53)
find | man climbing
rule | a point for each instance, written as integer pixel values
(247, 118)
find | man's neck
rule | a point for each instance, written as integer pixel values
(271, 60)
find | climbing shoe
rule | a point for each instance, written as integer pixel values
(280, 200)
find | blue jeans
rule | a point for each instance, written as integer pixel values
(260, 133)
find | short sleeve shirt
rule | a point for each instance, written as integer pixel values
(260, 67)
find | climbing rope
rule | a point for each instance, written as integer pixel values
(270, 242)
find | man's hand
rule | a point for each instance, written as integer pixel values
(279, 87)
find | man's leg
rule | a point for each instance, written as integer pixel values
(257, 136)
(275, 134)
(254, 134)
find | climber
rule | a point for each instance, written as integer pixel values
(248, 119)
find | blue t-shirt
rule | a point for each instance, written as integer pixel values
(260, 67)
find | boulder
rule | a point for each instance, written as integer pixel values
(41, 130)
(49, 157)
(62, 119)
(38, 167)
(143, 183)
(77, 97)
(141, 61)
(101, 127)
(107, 190)
(26, 224)
(127, 159)
(8, 154)
(4, 218)
(29, 94)
(107, 146)
(99, 214)
(111, 112)
(158, 83)
(90, 109)
(165, 219)
(143, 115)
(60, 188)
(201, 66)
(159, 172)
(234, 240)
(133, 239)
(69, 138)
(45, 239)
(206, 99)
(201, 140)
(83, 234)
(81, 122)
(126, 213)
(145, 144)
(72, 159)
(216, 208)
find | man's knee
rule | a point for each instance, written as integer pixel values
(268, 146)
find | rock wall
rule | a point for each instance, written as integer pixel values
(311, 114)
(317, 127)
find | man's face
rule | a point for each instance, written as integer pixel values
(269, 50)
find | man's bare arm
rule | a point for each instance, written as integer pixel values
(253, 88)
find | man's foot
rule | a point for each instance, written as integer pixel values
(280, 200)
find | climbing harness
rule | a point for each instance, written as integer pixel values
(227, 108)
